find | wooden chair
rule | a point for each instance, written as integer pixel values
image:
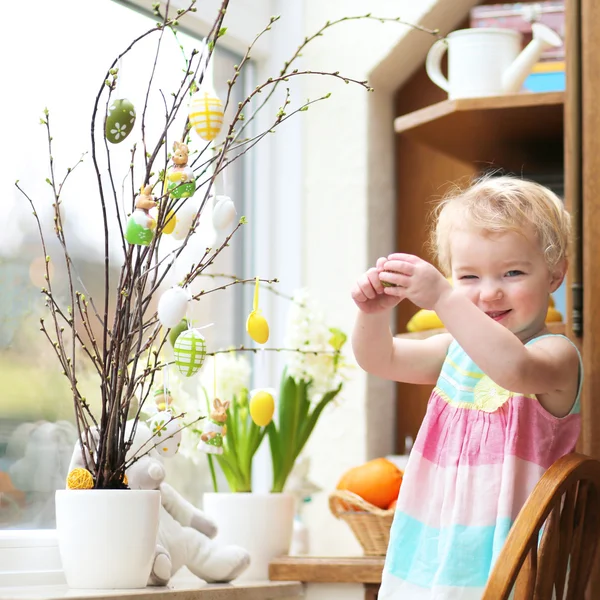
(566, 502)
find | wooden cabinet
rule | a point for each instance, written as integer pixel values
(454, 140)
(549, 136)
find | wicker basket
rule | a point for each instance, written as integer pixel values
(371, 525)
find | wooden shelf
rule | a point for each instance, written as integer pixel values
(555, 327)
(313, 569)
(509, 131)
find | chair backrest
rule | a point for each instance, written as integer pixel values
(565, 505)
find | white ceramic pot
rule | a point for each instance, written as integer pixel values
(260, 523)
(107, 538)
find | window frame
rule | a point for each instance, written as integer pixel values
(269, 174)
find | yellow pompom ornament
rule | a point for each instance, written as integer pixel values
(206, 114)
(256, 325)
(80, 479)
(262, 407)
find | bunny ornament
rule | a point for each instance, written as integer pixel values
(181, 181)
(211, 440)
(141, 225)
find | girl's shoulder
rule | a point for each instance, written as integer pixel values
(566, 356)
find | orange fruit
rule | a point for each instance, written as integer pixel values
(377, 481)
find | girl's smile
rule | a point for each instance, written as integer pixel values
(505, 274)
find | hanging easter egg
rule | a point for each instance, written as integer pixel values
(140, 226)
(190, 351)
(172, 306)
(223, 213)
(166, 430)
(120, 120)
(181, 182)
(185, 219)
(162, 398)
(262, 407)
(170, 222)
(177, 331)
(256, 325)
(206, 114)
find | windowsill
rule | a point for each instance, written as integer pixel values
(181, 587)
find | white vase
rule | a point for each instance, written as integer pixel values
(260, 523)
(107, 538)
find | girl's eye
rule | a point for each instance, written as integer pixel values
(468, 277)
(514, 273)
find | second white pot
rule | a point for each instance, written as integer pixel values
(260, 523)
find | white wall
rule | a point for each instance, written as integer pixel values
(349, 215)
(325, 195)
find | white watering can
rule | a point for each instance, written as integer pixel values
(487, 61)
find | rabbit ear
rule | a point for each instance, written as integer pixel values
(217, 403)
(175, 146)
(226, 404)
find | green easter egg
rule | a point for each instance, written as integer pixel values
(138, 234)
(119, 120)
(177, 331)
(182, 190)
(190, 352)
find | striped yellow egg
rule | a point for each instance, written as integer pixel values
(206, 115)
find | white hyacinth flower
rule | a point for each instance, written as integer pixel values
(307, 331)
(232, 376)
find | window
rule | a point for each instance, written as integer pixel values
(62, 57)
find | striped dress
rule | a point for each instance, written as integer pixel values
(478, 455)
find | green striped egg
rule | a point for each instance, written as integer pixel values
(120, 120)
(190, 352)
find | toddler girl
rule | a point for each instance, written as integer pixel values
(505, 405)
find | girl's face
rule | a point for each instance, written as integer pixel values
(506, 276)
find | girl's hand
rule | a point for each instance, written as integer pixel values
(416, 279)
(369, 293)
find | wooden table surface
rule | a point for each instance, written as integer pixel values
(327, 569)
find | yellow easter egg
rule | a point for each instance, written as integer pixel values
(206, 115)
(262, 407)
(80, 479)
(170, 222)
(257, 327)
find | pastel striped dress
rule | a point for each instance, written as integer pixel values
(478, 455)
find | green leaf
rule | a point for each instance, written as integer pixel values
(222, 32)
(338, 338)
(314, 416)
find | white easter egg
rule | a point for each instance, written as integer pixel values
(223, 212)
(190, 352)
(172, 306)
(185, 219)
(206, 114)
(167, 432)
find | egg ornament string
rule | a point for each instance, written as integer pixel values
(206, 112)
(262, 402)
(120, 117)
(165, 427)
(256, 325)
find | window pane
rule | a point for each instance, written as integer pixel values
(62, 62)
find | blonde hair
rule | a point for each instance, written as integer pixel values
(497, 204)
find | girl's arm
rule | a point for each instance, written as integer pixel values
(549, 366)
(409, 361)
